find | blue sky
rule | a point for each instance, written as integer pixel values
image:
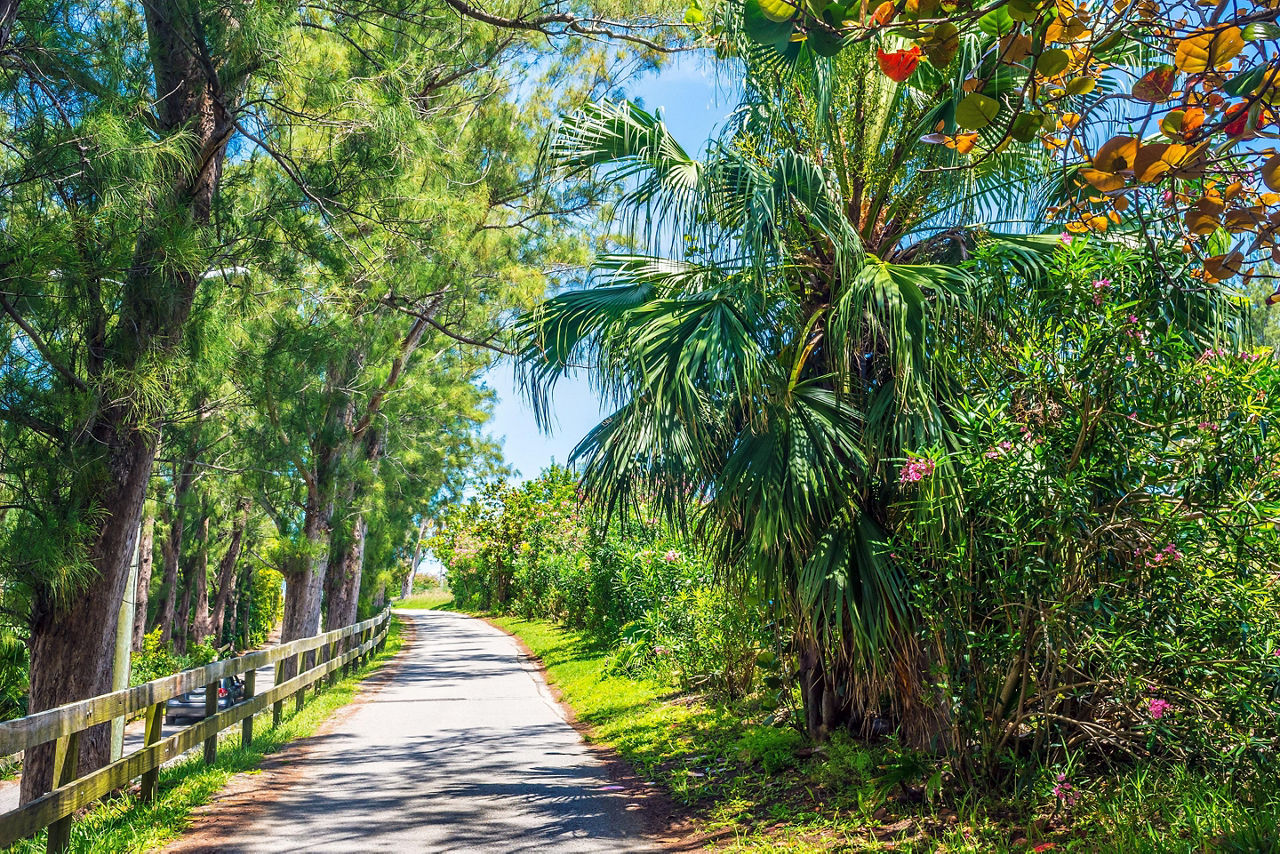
(693, 105)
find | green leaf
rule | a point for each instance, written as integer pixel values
(1023, 10)
(693, 14)
(1261, 30)
(1052, 62)
(996, 23)
(824, 42)
(1027, 126)
(760, 28)
(976, 111)
(1247, 81)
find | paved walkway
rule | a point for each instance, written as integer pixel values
(462, 750)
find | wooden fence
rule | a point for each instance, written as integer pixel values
(342, 649)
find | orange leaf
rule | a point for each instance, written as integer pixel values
(898, 65)
(884, 13)
(962, 142)
(1192, 119)
(1242, 220)
(1221, 267)
(1116, 154)
(1271, 173)
(1150, 164)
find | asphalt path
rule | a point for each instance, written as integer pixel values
(461, 749)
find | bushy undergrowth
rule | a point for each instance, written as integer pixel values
(157, 658)
(755, 786)
(1083, 583)
(634, 587)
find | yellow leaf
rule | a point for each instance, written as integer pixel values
(1107, 182)
(1271, 173)
(1116, 154)
(777, 10)
(1208, 51)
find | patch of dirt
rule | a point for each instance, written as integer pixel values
(246, 795)
(664, 821)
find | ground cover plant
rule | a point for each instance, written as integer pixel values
(748, 784)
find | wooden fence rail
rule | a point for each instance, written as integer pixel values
(338, 650)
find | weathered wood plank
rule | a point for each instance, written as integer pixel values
(33, 730)
(155, 729)
(66, 756)
(66, 799)
(246, 726)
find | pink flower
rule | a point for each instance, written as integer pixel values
(1276, 653)
(1133, 318)
(1101, 284)
(999, 450)
(1208, 426)
(1065, 792)
(1066, 238)
(1157, 707)
(916, 469)
(671, 556)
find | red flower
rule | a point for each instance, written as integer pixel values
(899, 64)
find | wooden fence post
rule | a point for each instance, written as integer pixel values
(155, 728)
(211, 709)
(300, 696)
(246, 726)
(277, 710)
(66, 759)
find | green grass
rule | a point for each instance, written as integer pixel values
(125, 824)
(430, 600)
(752, 785)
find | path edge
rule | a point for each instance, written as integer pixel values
(665, 823)
(248, 792)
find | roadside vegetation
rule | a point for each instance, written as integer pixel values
(746, 783)
(126, 825)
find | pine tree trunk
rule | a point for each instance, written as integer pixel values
(305, 577)
(146, 560)
(73, 644)
(342, 584)
(181, 616)
(343, 580)
(199, 625)
(227, 570)
(171, 550)
(407, 589)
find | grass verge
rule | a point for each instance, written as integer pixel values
(751, 786)
(431, 600)
(126, 824)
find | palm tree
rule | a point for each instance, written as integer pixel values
(781, 352)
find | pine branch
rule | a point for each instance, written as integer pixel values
(40, 344)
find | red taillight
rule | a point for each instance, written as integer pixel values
(222, 692)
